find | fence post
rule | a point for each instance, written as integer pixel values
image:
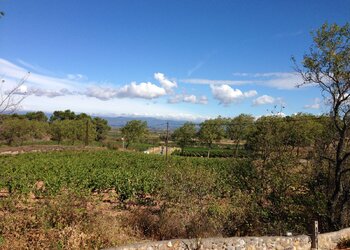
(314, 235)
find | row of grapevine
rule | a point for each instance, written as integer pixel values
(129, 174)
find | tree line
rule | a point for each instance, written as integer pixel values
(15, 129)
(244, 131)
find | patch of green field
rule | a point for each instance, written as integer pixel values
(130, 174)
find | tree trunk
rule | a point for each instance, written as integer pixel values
(236, 149)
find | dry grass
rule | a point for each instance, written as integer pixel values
(67, 221)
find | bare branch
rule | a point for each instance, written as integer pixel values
(11, 99)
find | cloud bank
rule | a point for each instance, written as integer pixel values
(266, 99)
(227, 95)
(315, 105)
(188, 98)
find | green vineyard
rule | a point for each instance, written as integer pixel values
(129, 174)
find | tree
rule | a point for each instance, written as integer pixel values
(37, 116)
(211, 131)
(72, 130)
(269, 138)
(58, 131)
(102, 128)
(15, 131)
(303, 130)
(134, 131)
(328, 66)
(62, 115)
(184, 135)
(239, 128)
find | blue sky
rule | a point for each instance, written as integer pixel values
(167, 58)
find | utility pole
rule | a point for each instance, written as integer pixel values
(166, 140)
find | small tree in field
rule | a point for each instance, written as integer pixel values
(184, 135)
(239, 128)
(211, 131)
(134, 131)
(328, 66)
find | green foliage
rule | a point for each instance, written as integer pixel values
(184, 135)
(62, 115)
(72, 130)
(134, 131)
(328, 66)
(211, 131)
(203, 152)
(239, 129)
(234, 197)
(15, 131)
(37, 116)
(102, 128)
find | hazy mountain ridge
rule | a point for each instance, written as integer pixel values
(120, 121)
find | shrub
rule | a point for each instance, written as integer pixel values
(344, 243)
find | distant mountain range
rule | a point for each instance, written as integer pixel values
(153, 123)
(120, 121)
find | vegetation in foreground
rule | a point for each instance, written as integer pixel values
(149, 197)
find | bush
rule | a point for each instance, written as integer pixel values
(344, 243)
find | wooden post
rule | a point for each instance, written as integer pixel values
(314, 236)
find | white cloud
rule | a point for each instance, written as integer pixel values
(19, 90)
(279, 80)
(315, 105)
(43, 85)
(144, 90)
(278, 114)
(166, 83)
(101, 92)
(240, 74)
(226, 95)
(50, 93)
(282, 80)
(75, 93)
(77, 77)
(250, 93)
(189, 99)
(264, 99)
(13, 73)
(213, 82)
(24, 90)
